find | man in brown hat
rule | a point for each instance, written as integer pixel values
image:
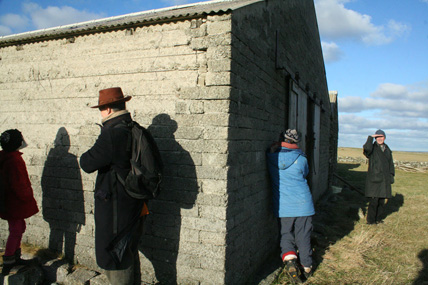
(115, 211)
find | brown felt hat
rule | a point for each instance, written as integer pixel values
(111, 96)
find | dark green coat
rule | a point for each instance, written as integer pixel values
(381, 172)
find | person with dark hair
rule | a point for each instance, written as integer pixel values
(116, 213)
(19, 202)
(292, 203)
(380, 175)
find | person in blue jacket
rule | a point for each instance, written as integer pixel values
(292, 203)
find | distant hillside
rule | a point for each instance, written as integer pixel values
(397, 155)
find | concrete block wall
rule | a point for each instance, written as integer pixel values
(257, 98)
(301, 52)
(210, 91)
(178, 76)
(260, 108)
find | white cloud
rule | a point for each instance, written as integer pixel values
(397, 29)
(388, 90)
(337, 22)
(411, 93)
(369, 122)
(57, 16)
(402, 111)
(390, 98)
(5, 31)
(29, 7)
(37, 17)
(331, 52)
(14, 21)
(350, 104)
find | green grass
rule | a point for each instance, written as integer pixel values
(348, 251)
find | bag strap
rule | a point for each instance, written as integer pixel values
(113, 186)
(129, 125)
(120, 179)
(123, 123)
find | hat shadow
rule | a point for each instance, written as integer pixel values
(62, 196)
(163, 226)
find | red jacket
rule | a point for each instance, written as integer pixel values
(20, 202)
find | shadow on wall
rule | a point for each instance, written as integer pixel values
(160, 242)
(63, 201)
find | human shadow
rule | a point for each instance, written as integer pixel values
(423, 274)
(162, 229)
(392, 205)
(63, 202)
(354, 178)
(336, 215)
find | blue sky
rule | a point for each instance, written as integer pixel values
(375, 53)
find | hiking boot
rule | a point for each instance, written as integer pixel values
(293, 270)
(307, 272)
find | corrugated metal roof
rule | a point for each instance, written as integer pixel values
(151, 16)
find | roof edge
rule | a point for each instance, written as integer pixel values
(174, 13)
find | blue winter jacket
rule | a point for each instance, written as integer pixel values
(288, 169)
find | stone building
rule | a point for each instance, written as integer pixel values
(215, 82)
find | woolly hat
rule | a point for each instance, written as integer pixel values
(291, 135)
(11, 140)
(380, 132)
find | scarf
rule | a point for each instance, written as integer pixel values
(289, 145)
(114, 115)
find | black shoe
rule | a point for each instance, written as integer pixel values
(26, 262)
(293, 270)
(6, 269)
(20, 261)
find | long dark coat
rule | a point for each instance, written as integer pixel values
(110, 152)
(19, 198)
(381, 171)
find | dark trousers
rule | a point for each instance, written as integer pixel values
(375, 210)
(296, 235)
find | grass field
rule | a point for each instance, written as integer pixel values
(348, 251)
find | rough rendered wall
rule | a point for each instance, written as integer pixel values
(176, 74)
(258, 113)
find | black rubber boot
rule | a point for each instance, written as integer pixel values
(20, 261)
(8, 263)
